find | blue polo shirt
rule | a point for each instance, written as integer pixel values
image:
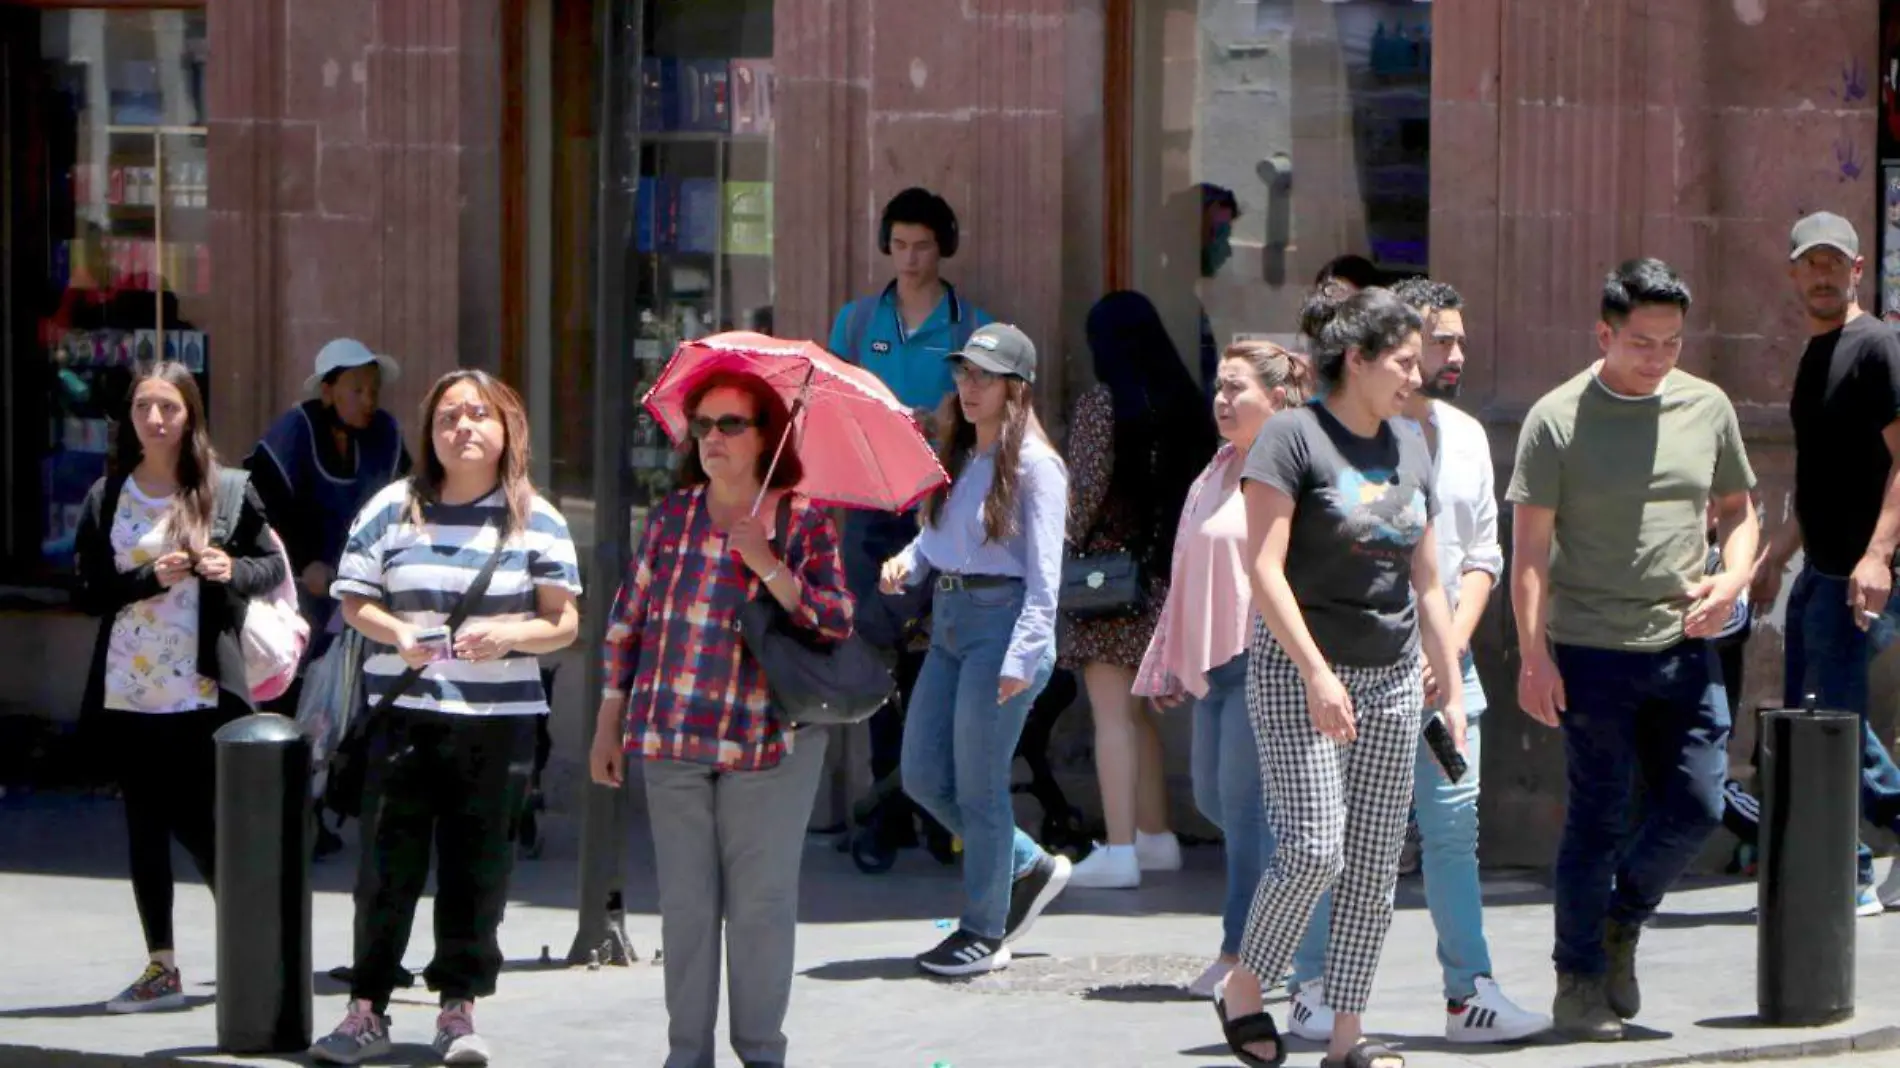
(912, 362)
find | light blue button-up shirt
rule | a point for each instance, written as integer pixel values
(956, 544)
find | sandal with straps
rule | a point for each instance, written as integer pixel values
(1246, 1031)
(1367, 1054)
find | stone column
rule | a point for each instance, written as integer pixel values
(356, 190)
(966, 99)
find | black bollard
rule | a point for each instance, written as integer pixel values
(1810, 824)
(265, 835)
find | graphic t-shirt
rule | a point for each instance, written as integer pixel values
(152, 656)
(1360, 506)
(1630, 480)
(1846, 392)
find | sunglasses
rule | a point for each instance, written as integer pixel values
(730, 426)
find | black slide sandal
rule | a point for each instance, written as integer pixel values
(1367, 1054)
(1248, 1030)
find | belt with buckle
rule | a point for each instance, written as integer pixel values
(947, 583)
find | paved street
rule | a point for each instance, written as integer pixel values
(1096, 983)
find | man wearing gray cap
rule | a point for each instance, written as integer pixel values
(1846, 415)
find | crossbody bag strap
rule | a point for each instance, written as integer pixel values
(457, 616)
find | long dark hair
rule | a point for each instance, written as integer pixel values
(1164, 431)
(517, 489)
(1000, 519)
(775, 421)
(197, 473)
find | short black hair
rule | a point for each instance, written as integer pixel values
(1352, 268)
(918, 206)
(1639, 282)
(1429, 294)
(1372, 321)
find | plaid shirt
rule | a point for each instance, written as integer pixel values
(673, 643)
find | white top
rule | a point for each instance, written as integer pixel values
(152, 656)
(1465, 484)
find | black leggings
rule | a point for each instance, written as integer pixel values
(166, 768)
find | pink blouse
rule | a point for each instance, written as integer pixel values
(1209, 611)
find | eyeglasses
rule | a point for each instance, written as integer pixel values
(730, 426)
(450, 417)
(965, 371)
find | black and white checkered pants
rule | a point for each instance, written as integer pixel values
(1338, 812)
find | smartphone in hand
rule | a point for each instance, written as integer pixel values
(437, 641)
(1444, 750)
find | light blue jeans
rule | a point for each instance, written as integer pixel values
(959, 744)
(1229, 792)
(1448, 829)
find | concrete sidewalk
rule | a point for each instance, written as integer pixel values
(1096, 984)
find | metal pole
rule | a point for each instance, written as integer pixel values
(1810, 826)
(601, 933)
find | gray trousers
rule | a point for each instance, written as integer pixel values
(728, 846)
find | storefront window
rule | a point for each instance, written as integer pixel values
(701, 244)
(108, 244)
(1270, 136)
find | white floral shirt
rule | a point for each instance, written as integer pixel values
(152, 660)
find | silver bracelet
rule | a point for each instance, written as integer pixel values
(766, 580)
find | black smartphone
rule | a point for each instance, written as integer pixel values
(1444, 750)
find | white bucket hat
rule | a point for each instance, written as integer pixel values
(344, 353)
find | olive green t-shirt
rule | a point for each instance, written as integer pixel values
(1630, 480)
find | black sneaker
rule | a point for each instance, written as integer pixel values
(1032, 893)
(965, 954)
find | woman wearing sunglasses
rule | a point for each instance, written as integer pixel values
(994, 542)
(729, 784)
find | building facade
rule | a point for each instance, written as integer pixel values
(560, 190)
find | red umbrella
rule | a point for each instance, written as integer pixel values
(861, 447)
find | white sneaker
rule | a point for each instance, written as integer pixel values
(1211, 979)
(1489, 1016)
(1867, 903)
(1108, 868)
(1889, 891)
(1308, 1016)
(1158, 852)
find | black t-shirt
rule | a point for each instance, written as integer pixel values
(1846, 392)
(1360, 506)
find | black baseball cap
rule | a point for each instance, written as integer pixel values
(1000, 348)
(1823, 229)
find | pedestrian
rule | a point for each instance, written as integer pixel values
(1846, 514)
(905, 335)
(1199, 650)
(314, 469)
(729, 782)
(991, 549)
(1469, 562)
(1137, 440)
(1617, 466)
(168, 667)
(1344, 565)
(465, 575)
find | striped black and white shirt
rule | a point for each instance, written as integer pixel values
(420, 573)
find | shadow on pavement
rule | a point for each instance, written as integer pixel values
(871, 969)
(92, 1009)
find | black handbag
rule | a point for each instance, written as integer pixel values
(813, 680)
(1101, 586)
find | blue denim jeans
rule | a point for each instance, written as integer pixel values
(1664, 716)
(1827, 656)
(1229, 791)
(959, 744)
(1448, 830)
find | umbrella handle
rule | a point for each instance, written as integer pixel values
(798, 408)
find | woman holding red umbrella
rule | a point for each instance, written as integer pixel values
(729, 783)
